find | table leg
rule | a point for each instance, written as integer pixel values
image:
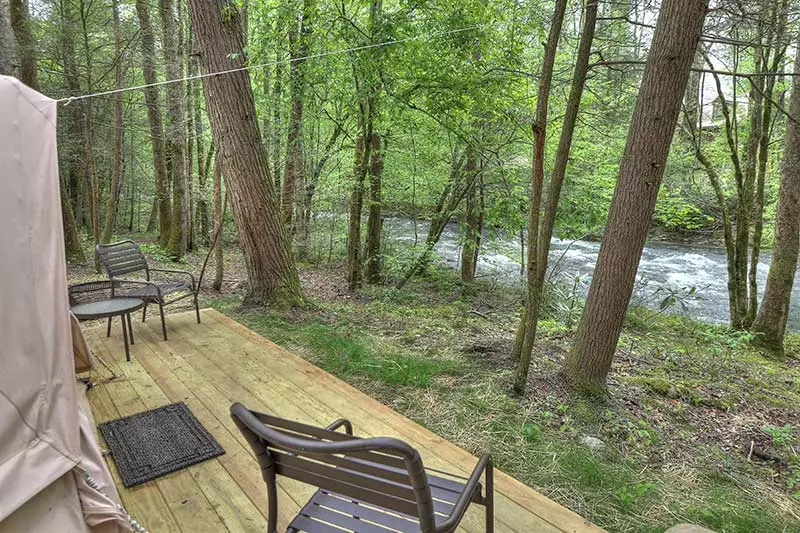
(125, 338)
(130, 327)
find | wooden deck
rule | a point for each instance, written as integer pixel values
(211, 365)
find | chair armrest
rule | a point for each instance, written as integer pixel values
(465, 498)
(348, 427)
(172, 271)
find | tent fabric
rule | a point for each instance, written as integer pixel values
(40, 420)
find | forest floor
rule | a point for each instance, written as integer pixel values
(698, 426)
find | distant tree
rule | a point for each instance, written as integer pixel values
(176, 130)
(7, 58)
(655, 115)
(770, 324)
(119, 138)
(272, 275)
(152, 98)
(26, 46)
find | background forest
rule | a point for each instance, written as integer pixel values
(386, 127)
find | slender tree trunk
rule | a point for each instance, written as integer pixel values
(26, 46)
(119, 139)
(770, 324)
(356, 204)
(176, 142)
(219, 218)
(472, 222)
(532, 309)
(664, 81)
(372, 246)
(523, 344)
(7, 56)
(272, 275)
(73, 175)
(275, 134)
(162, 207)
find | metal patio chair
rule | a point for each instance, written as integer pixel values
(125, 257)
(367, 485)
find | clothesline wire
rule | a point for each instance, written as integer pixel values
(69, 99)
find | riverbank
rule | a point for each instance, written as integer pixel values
(698, 427)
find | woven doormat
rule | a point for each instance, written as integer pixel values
(156, 442)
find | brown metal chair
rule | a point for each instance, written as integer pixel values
(372, 485)
(125, 257)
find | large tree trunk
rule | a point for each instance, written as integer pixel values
(666, 73)
(119, 139)
(152, 101)
(523, 344)
(176, 142)
(271, 270)
(372, 244)
(7, 56)
(530, 316)
(26, 49)
(770, 324)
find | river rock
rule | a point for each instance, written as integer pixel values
(593, 443)
(688, 528)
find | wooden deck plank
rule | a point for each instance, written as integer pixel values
(186, 499)
(216, 478)
(182, 383)
(210, 365)
(144, 502)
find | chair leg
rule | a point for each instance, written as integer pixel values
(272, 502)
(144, 313)
(108, 329)
(163, 323)
(196, 308)
(489, 503)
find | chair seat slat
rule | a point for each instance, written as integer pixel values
(397, 521)
(354, 491)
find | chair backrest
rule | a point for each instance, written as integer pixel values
(90, 291)
(381, 471)
(120, 258)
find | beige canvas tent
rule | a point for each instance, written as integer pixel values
(52, 475)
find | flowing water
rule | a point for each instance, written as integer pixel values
(665, 269)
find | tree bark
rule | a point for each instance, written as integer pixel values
(272, 275)
(153, 103)
(26, 46)
(176, 141)
(294, 172)
(472, 222)
(770, 324)
(652, 127)
(361, 155)
(532, 308)
(219, 216)
(523, 343)
(119, 139)
(372, 245)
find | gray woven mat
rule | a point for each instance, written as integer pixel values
(156, 442)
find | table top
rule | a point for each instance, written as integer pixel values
(106, 308)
